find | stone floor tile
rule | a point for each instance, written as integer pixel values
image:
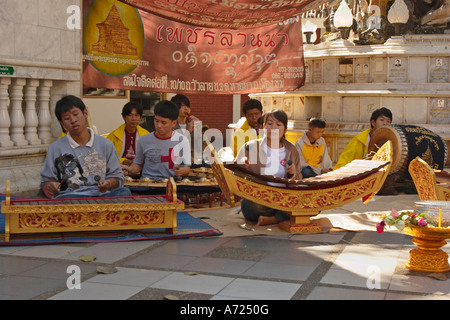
(190, 247)
(260, 289)
(329, 293)
(98, 291)
(131, 277)
(58, 270)
(28, 287)
(111, 252)
(160, 260)
(193, 283)
(219, 265)
(279, 271)
(47, 251)
(15, 265)
(420, 284)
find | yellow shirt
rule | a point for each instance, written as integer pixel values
(117, 135)
(241, 136)
(313, 155)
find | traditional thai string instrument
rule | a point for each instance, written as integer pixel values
(92, 214)
(303, 199)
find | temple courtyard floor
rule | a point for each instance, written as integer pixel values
(263, 263)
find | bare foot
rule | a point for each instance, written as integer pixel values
(264, 221)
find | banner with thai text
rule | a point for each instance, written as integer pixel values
(231, 14)
(127, 48)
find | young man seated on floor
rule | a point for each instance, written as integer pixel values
(313, 150)
(126, 136)
(163, 153)
(80, 164)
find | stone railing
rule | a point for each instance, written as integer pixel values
(25, 117)
(25, 130)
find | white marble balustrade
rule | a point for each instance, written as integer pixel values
(25, 117)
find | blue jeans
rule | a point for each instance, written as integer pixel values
(252, 211)
(117, 192)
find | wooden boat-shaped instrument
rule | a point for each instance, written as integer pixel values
(303, 199)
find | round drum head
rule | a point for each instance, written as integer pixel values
(383, 134)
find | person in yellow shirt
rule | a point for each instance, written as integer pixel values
(125, 137)
(252, 110)
(313, 150)
(357, 147)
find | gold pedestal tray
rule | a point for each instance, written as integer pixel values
(428, 256)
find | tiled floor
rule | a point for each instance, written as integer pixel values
(336, 265)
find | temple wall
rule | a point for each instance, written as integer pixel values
(39, 63)
(344, 83)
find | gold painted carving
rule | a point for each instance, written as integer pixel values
(87, 220)
(424, 180)
(285, 199)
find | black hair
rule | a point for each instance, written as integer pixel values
(380, 112)
(129, 106)
(251, 104)
(317, 123)
(180, 99)
(167, 109)
(280, 115)
(66, 103)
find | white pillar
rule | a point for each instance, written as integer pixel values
(31, 118)
(16, 115)
(45, 119)
(5, 122)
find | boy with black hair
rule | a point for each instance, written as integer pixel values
(80, 164)
(162, 153)
(313, 150)
(186, 124)
(126, 136)
(357, 147)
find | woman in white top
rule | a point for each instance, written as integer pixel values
(271, 155)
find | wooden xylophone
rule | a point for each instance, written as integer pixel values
(305, 198)
(92, 214)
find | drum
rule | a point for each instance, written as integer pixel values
(409, 142)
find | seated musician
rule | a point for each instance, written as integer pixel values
(126, 136)
(313, 150)
(252, 110)
(80, 164)
(271, 155)
(357, 147)
(163, 153)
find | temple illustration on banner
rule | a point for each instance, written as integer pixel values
(113, 36)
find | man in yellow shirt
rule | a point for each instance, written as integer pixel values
(357, 147)
(125, 137)
(252, 110)
(313, 150)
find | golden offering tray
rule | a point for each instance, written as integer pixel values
(428, 256)
(305, 198)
